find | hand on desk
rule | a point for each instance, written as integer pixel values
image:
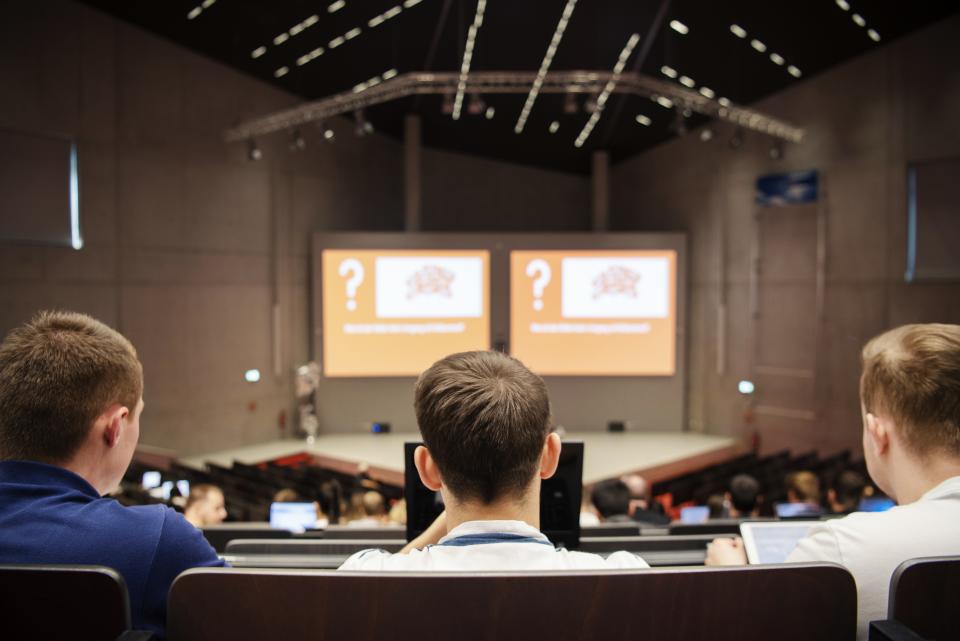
(726, 552)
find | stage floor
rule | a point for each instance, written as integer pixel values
(656, 455)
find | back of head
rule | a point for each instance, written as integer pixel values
(484, 418)
(611, 498)
(284, 495)
(805, 486)
(912, 375)
(373, 504)
(58, 373)
(744, 490)
(638, 486)
(849, 487)
(201, 493)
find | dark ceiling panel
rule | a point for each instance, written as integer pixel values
(812, 35)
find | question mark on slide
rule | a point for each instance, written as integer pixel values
(353, 267)
(541, 269)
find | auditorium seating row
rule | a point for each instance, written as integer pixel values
(785, 602)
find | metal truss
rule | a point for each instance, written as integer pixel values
(509, 82)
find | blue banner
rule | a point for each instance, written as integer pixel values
(796, 187)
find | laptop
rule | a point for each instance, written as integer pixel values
(766, 542)
(295, 517)
(559, 498)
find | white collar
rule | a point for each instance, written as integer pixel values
(947, 488)
(518, 528)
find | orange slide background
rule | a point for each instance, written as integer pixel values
(651, 354)
(389, 354)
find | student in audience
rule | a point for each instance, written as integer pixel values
(743, 497)
(803, 491)
(611, 498)
(71, 394)
(205, 506)
(910, 401)
(488, 443)
(373, 511)
(290, 495)
(847, 491)
(642, 507)
(717, 504)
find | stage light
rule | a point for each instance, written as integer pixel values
(389, 73)
(746, 387)
(607, 89)
(259, 51)
(467, 55)
(643, 120)
(687, 82)
(706, 135)
(196, 11)
(738, 31)
(725, 102)
(679, 27)
(252, 375)
(554, 126)
(664, 102)
(859, 20)
(759, 46)
(491, 112)
(281, 72)
(328, 135)
(843, 4)
(253, 152)
(544, 66)
(707, 92)
(668, 71)
(793, 71)
(873, 35)
(777, 59)
(336, 6)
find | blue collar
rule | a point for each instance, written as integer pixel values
(41, 474)
(492, 537)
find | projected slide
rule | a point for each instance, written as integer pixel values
(594, 313)
(395, 312)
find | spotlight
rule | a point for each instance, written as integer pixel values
(491, 112)
(329, 135)
(253, 152)
(736, 141)
(554, 126)
(776, 150)
(706, 135)
(297, 141)
(746, 387)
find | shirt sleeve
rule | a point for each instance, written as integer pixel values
(820, 546)
(181, 547)
(626, 561)
(369, 560)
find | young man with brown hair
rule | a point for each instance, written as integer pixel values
(910, 401)
(205, 506)
(71, 394)
(488, 442)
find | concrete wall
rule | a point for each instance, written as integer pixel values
(866, 120)
(187, 244)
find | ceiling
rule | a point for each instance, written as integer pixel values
(430, 35)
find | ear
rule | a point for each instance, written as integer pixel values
(427, 469)
(550, 457)
(113, 421)
(877, 433)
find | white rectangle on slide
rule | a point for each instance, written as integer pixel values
(429, 287)
(615, 287)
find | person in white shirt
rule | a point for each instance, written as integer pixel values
(488, 443)
(910, 400)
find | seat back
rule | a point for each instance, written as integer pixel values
(923, 596)
(398, 533)
(610, 529)
(310, 546)
(219, 535)
(77, 602)
(788, 603)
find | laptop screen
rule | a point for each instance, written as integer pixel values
(559, 498)
(295, 517)
(773, 542)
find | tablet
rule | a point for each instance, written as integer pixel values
(772, 542)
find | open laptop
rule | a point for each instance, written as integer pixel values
(559, 498)
(772, 542)
(295, 517)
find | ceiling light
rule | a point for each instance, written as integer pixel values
(206, 4)
(724, 101)
(679, 27)
(607, 90)
(668, 71)
(687, 81)
(312, 20)
(467, 56)
(738, 31)
(777, 59)
(283, 37)
(706, 135)
(491, 112)
(376, 21)
(253, 152)
(873, 35)
(707, 92)
(336, 6)
(281, 72)
(196, 11)
(554, 127)
(259, 51)
(392, 12)
(643, 120)
(664, 102)
(759, 46)
(353, 33)
(336, 42)
(411, 3)
(544, 66)
(304, 59)
(328, 134)
(389, 73)
(857, 18)
(793, 71)
(843, 4)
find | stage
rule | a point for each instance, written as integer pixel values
(656, 455)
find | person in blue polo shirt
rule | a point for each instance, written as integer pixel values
(71, 395)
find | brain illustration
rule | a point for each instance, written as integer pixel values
(616, 281)
(430, 279)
